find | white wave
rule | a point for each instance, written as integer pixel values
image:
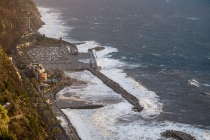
(193, 18)
(64, 123)
(196, 83)
(104, 61)
(95, 91)
(207, 93)
(207, 85)
(132, 66)
(54, 27)
(119, 122)
(110, 67)
(148, 99)
(83, 48)
(62, 97)
(101, 56)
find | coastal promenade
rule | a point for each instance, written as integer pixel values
(118, 89)
(69, 129)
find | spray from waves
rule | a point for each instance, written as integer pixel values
(119, 122)
(54, 27)
(116, 121)
(112, 69)
(195, 83)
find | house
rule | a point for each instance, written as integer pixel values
(39, 72)
(43, 77)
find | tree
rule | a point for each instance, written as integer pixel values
(4, 119)
(68, 79)
(60, 121)
(26, 80)
(57, 131)
(4, 135)
(42, 106)
(47, 113)
(34, 82)
(51, 121)
(55, 114)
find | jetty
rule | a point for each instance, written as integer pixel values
(118, 89)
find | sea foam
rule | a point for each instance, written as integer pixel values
(115, 120)
(54, 27)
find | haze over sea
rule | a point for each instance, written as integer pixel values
(162, 45)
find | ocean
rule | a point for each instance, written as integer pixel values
(158, 50)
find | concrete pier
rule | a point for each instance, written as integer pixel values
(118, 89)
(93, 63)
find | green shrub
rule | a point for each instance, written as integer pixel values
(4, 135)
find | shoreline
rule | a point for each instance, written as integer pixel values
(67, 119)
(118, 89)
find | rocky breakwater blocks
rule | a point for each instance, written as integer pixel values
(137, 108)
(178, 135)
(118, 89)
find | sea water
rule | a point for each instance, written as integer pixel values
(159, 51)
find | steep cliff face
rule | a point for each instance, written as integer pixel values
(14, 20)
(24, 121)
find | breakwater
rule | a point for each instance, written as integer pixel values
(83, 107)
(178, 135)
(118, 89)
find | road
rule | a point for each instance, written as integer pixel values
(70, 128)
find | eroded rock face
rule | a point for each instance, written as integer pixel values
(178, 135)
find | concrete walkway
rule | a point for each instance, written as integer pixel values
(56, 109)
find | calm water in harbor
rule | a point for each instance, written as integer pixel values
(162, 44)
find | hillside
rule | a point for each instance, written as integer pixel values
(19, 118)
(24, 121)
(14, 21)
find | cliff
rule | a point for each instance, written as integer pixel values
(14, 21)
(19, 118)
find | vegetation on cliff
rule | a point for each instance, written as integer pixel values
(19, 118)
(14, 21)
(21, 121)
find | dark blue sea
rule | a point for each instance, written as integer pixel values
(165, 45)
